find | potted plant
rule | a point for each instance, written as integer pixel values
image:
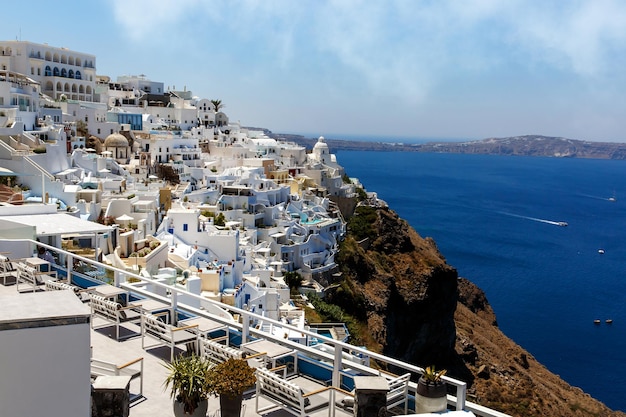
(431, 392)
(188, 379)
(229, 380)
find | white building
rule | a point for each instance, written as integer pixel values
(62, 73)
(19, 102)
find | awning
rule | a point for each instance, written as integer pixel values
(58, 224)
(5, 172)
(66, 172)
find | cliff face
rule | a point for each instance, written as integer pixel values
(417, 309)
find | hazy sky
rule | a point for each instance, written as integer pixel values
(430, 69)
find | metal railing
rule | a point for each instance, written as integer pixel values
(336, 361)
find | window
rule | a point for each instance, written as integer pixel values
(98, 130)
(185, 227)
(86, 119)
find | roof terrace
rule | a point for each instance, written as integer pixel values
(310, 367)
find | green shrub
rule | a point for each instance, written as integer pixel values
(361, 224)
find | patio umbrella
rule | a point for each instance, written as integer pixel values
(6, 172)
(124, 218)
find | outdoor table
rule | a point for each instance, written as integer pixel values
(43, 274)
(150, 305)
(38, 263)
(206, 326)
(272, 351)
(110, 292)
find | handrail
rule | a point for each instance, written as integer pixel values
(39, 168)
(337, 361)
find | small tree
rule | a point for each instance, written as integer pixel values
(294, 281)
(220, 220)
(81, 128)
(217, 104)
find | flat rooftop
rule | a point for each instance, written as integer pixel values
(155, 400)
(337, 365)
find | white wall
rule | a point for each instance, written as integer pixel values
(45, 371)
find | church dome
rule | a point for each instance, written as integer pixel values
(321, 144)
(115, 140)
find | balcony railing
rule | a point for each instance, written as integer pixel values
(336, 365)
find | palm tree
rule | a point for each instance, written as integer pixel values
(217, 104)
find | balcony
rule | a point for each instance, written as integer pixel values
(335, 366)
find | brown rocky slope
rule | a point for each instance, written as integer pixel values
(417, 309)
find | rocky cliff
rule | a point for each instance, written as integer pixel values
(416, 308)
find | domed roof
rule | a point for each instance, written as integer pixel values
(115, 140)
(321, 143)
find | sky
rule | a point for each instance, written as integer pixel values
(437, 69)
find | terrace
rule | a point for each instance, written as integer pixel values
(335, 366)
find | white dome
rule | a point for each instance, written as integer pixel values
(321, 144)
(115, 140)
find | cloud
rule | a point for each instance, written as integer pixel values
(583, 37)
(403, 48)
(139, 18)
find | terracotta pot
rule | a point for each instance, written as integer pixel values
(230, 405)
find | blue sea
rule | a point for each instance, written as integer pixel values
(495, 219)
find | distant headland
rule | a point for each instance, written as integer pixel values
(528, 145)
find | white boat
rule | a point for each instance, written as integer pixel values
(562, 224)
(601, 251)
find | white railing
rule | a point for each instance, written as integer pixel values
(340, 365)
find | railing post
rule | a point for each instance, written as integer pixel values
(246, 327)
(461, 391)
(336, 381)
(117, 278)
(69, 262)
(174, 306)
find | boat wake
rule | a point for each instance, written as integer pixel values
(595, 197)
(555, 223)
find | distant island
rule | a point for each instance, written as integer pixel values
(528, 145)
